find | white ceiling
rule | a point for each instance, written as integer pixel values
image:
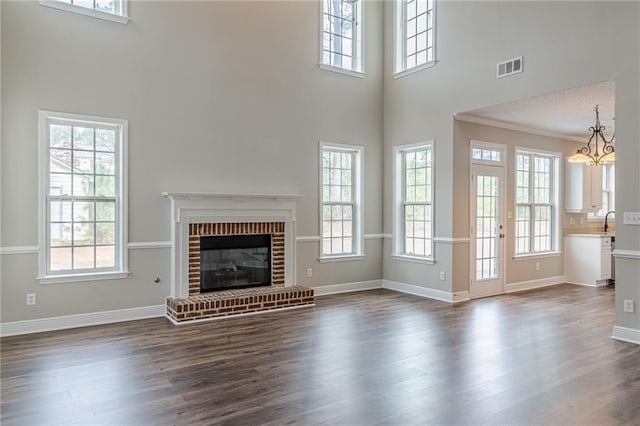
(568, 113)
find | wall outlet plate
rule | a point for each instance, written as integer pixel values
(31, 299)
(628, 306)
(309, 272)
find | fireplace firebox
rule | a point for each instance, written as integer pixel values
(234, 261)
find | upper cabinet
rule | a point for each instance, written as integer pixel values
(583, 187)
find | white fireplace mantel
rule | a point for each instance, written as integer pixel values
(216, 207)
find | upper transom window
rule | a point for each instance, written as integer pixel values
(342, 35)
(415, 34)
(112, 10)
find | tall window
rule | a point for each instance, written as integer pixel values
(83, 182)
(414, 187)
(342, 34)
(341, 225)
(536, 202)
(608, 190)
(113, 10)
(415, 34)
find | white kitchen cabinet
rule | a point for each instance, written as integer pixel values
(582, 187)
(587, 259)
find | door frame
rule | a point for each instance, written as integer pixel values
(502, 165)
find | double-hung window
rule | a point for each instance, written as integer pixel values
(111, 10)
(536, 219)
(342, 35)
(608, 191)
(415, 30)
(341, 212)
(83, 178)
(414, 201)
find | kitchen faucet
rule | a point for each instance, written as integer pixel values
(606, 225)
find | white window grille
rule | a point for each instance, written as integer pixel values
(536, 203)
(414, 177)
(83, 181)
(342, 35)
(608, 191)
(112, 10)
(340, 210)
(415, 34)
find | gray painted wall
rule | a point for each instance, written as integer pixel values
(237, 83)
(558, 41)
(220, 96)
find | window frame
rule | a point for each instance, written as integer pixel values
(554, 196)
(357, 190)
(400, 41)
(358, 43)
(399, 187)
(610, 190)
(80, 10)
(120, 270)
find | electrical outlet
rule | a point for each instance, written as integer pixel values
(31, 299)
(309, 272)
(443, 276)
(537, 266)
(628, 306)
(572, 221)
(631, 218)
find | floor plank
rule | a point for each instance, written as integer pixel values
(376, 357)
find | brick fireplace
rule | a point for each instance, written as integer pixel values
(198, 230)
(198, 215)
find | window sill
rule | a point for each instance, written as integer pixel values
(342, 258)
(85, 11)
(413, 70)
(414, 259)
(74, 278)
(522, 257)
(339, 70)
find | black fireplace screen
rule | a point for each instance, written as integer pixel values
(234, 261)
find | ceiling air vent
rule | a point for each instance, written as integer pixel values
(506, 68)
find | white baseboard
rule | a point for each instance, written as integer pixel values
(430, 293)
(601, 283)
(346, 287)
(630, 335)
(80, 320)
(530, 285)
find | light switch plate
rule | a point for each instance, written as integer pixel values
(631, 218)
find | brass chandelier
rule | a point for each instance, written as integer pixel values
(596, 155)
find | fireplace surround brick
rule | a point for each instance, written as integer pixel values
(198, 230)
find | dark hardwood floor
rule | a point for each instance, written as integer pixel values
(375, 357)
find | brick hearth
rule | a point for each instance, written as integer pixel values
(233, 302)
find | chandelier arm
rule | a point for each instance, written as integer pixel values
(596, 157)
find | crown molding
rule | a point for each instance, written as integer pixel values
(470, 118)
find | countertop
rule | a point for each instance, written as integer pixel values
(592, 234)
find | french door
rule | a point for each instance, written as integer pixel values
(487, 230)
